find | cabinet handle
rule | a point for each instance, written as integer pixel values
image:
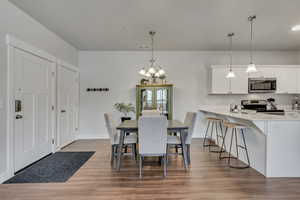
(63, 111)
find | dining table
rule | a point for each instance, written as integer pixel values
(131, 126)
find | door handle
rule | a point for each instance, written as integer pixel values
(19, 116)
(63, 111)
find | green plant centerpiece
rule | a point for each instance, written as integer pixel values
(125, 109)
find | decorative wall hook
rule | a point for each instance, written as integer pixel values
(97, 89)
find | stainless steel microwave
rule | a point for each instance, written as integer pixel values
(262, 85)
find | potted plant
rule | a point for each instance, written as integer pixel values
(125, 109)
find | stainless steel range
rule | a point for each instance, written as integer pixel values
(264, 106)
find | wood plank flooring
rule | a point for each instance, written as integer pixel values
(208, 178)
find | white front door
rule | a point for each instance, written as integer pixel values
(32, 95)
(67, 112)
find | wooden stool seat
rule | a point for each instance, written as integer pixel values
(234, 125)
(213, 119)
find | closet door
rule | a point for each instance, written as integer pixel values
(33, 118)
(67, 104)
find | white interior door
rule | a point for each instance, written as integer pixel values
(67, 105)
(33, 95)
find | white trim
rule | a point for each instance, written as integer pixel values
(14, 42)
(91, 136)
(9, 114)
(67, 65)
(4, 176)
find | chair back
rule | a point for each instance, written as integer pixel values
(153, 135)
(111, 128)
(190, 121)
(151, 113)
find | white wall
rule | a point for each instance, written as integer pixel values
(17, 23)
(188, 71)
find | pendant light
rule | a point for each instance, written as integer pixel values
(231, 72)
(251, 67)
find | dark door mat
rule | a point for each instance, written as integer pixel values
(58, 167)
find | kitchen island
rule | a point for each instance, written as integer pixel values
(273, 140)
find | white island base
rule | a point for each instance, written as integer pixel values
(273, 141)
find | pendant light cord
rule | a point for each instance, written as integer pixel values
(230, 35)
(251, 18)
(152, 33)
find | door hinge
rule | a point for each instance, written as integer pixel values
(52, 141)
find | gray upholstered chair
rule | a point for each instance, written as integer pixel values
(153, 138)
(190, 121)
(129, 140)
(151, 113)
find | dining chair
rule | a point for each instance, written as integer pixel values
(190, 121)
(153, 139)
(129, 140)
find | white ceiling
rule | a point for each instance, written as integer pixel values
(181, 24)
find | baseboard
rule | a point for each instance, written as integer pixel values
(91, 136)
(4, 176)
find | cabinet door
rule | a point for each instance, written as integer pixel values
(220, 84)
(239, 84)
(286, 80)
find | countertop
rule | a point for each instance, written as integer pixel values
(251, 116)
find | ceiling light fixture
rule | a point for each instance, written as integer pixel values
(251, 67)
(296, 28)
(231, 72)
(154, 71)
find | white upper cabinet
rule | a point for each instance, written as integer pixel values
(239, 84)
(220, 84)
(288, 79)
(263, 72)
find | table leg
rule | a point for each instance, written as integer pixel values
(184, 150)
(120, 148)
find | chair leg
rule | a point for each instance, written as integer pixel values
(236, 144)
(222, 136)
(165, 165)
(133, 150)
(211, 137)
(141, 166)
(112, 153)
(223, 144)
(189, 153)
(246, 149)
(167, 154)
(232, 132)
(206, 132)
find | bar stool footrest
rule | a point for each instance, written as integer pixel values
(239, 167)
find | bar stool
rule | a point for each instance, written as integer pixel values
(213, 122)
(234, 127)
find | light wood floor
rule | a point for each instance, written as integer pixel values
(208, 178)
